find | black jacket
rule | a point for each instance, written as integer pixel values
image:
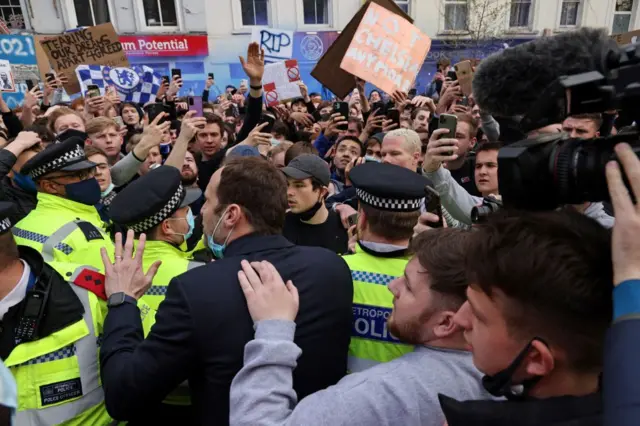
(63, 306)
(203, 325)
(24, 201)
(560, 411)
(206, 169)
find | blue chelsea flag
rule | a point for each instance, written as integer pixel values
(138, 84)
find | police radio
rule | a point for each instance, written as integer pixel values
(32, 313)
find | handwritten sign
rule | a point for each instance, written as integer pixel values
(281, 82)
(626, 38)
(277, 44)
(97, 45)
(6, 77)
(386, 50)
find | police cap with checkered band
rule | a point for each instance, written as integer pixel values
(66, 156)
(388, 187)
(8, 214)
(151, 199)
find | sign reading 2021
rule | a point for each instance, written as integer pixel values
(19, 47)
(277, 44)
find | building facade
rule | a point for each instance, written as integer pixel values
(202, 36)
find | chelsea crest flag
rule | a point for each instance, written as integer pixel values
(138, 84)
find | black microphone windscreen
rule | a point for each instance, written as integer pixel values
(507, 83)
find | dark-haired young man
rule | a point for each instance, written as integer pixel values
(403, 391)
(347, 149)
(201, 330)
(538, 306)
(309, 222)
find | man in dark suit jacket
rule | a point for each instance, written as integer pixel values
(203, 324)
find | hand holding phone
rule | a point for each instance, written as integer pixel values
(342, 108)
(434, 206)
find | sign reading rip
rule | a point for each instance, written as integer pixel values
(386, 50)
(97, 45)
(277, 44)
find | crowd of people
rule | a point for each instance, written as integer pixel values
(284, 265)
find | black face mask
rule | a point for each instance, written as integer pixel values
(305, 216)
(501, 384)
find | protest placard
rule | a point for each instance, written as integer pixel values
(281, 82)
(327, 71)
(386, 50)
(626, 38)
(97, 45)
(7, 83)
(19, 51)
(277, 44)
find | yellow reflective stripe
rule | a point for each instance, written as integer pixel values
(56, 238)
(85, 409)
(58, 414)
(53, 342)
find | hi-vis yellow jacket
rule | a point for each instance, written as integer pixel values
(64, 231)
(58, 376)
(371, 341)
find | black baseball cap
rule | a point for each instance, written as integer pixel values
(308, 166)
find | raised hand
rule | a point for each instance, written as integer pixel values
(254, 64)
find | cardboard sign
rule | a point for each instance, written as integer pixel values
(327, 71)
(281, 82)
(97, 45)
(6, 77)
(626, 38)
(386, 50)
(277, 44)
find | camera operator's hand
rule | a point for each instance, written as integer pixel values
(439, 151)
(424, 221)
(625, 243)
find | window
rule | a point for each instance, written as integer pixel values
(519, 16)
(569, 13)
(316, 12)
(455, 15)
(96, 13)
(160, 13)
(622, 16)
(256, 12)
(404, 5)
(11, 13)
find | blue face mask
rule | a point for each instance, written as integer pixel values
(84, 192)
(191, 221)
(108, 190)
(24, 182)
(218, 249)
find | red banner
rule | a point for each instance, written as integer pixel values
(165, 45)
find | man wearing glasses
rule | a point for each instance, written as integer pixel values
(65, 225)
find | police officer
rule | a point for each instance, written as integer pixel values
(389, 206)
(65, 226)
(158, 205)
(50, 330)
